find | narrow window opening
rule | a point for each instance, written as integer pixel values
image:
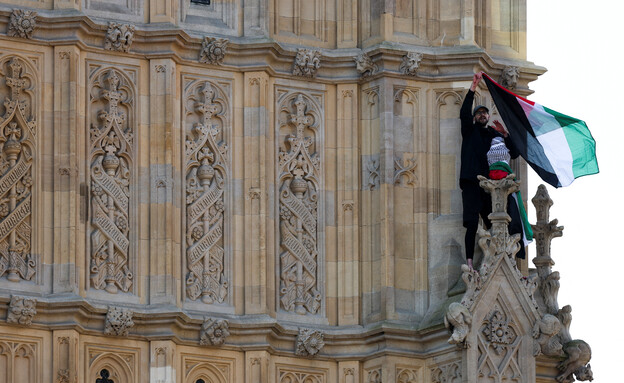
(201, 2)
(104, 374)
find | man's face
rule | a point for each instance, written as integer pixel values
(481, 116)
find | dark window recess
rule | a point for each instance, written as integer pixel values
(202, 2)
(200, 380)
(104, 377)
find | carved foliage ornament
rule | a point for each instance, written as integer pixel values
(309, 342)
(213, 51)
(307, 62)
(298, 203)
(18, 128)
(21, 310)
(111, 149)
(410, 63)
(118, 321)
(206, 172)
(22, 23)
(119, 37)
(213, 332)
(364, 65)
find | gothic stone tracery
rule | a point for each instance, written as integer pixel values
(111, 151)
(299, 169)
(206, 172)
(18, 129)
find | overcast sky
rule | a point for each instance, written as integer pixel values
(579, 42)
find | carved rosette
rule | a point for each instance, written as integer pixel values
(206, 171)
(309, 342)
(298, 203)
(18, 128)
(119, 37)
(111, 148)
(22, 23)
(213, 332)
(213, 51)
(118, 321)
(21, 310)
(307, 62)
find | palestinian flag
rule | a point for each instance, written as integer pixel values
(558, 147)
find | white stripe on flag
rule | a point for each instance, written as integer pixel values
(558, 152)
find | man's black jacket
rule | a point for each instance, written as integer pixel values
(476, 142)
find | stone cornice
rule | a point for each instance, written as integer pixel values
(256, 332)
(244, 54)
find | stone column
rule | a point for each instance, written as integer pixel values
(163, 11)
(163, 362)
(164, 158)
(544, 231)
(65, 356)
(256, 140)
(68, 141)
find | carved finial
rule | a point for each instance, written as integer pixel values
(213, 332)
(22, 23)
(544, 231)
(411, 62)
(364, 65)
(21, 310)
(118, 321)
(213, 50)
(307, 62)
(309, 342)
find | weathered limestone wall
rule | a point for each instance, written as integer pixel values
(197, 185)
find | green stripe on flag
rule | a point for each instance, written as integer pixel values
(581, 143)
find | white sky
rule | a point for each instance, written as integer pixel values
(579, 42)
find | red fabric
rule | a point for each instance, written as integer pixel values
(498, 174)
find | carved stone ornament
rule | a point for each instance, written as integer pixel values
(18, 129)
(307, 62)
(118, 321)
(405, 172)
(410, 63)
(448, 373)
(22, 23)
(375, 376)
(213, 50)
(509, 77)
(544, 333)
(298, 204)
(213, 332)
(111, 137)
(578, 355)
(459, 321)
(206, 172)
(119, 37)
(499, 331)
(372, 174)
(364, 65)
(21, 310)
(309, 342)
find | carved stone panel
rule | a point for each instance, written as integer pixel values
(213, 51)
(119, 37)
(18, 129)
(111, 174)
(299, 186)
(213, 332)
(307, 62)
(206, 124)
(309, 342)
(21, 360)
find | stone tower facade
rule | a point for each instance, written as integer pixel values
(246, 192)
